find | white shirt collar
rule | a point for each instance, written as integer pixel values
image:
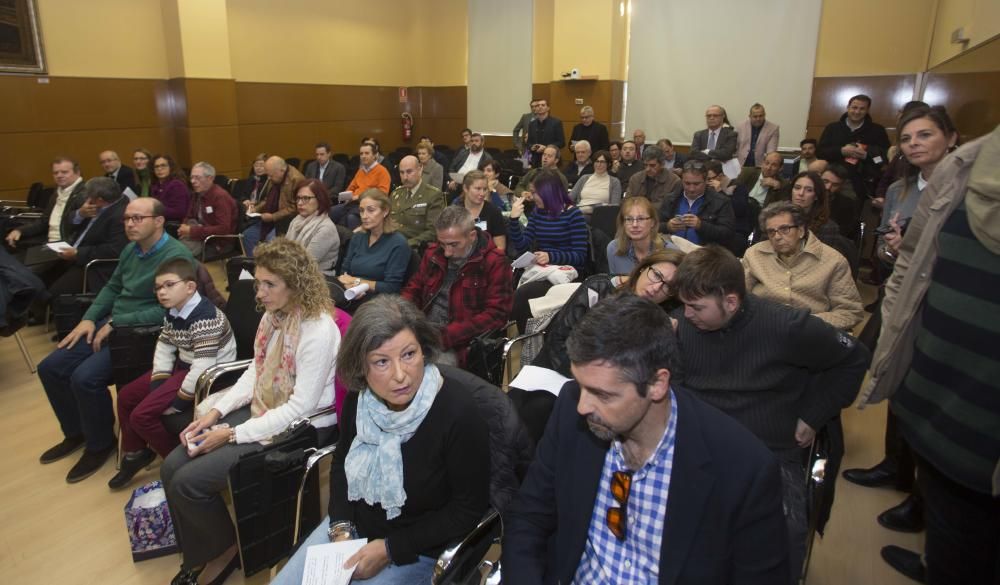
(921, 182)
(70, 188)
(188, 307)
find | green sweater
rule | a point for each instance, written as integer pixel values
(129, 296)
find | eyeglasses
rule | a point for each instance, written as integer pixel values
(135, 218)
(161, 166)
(304, 199)
(655, 276)
(621, 488)
(693, 164)
(636, 220)
(781, 229)
(600, 160)
(198, 177)
(167, 284)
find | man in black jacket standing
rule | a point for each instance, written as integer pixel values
(543, 131)
(857, 143)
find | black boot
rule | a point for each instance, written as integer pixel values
(905, 561)
(883, 474)
(132, 464)
(908, 516)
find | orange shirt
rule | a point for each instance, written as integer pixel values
(377, 178)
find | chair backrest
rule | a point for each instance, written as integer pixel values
(413, 266)
(605, 219)
(222, 181)
(293, 161)
(132, 350)
(345, 240)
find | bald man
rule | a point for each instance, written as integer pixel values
(277, 206)
(114, 169)
(415, 205)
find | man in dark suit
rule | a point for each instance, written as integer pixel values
(543, 131)
(330, 172)
(55, 224)
(672, 160)
(635, 481)
(99, 234)
(718, 141)
(114, 169)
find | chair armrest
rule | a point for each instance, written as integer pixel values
(457, 558)
(27, 215)
(509, 347)
(93, 262)
(237, 237)
(311, 463)
(208, 378)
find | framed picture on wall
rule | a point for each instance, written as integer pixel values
(20, 38)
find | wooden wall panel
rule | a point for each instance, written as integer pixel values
(605, 96)
(972, 99)
(830, 95)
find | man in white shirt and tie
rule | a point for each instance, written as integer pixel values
(718, 141)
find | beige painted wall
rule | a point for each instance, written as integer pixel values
(981, 19)
(103, 38)
(541, 41)
(885, 37)
(388, 42)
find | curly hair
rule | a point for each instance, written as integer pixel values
(820, 212)
(293, 264)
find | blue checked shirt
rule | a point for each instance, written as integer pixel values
(636, 561)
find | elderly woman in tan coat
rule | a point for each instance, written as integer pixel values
(795, 268)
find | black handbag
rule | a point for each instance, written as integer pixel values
(68, 311)
(485, 356)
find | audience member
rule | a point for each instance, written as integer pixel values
(432, 173)
(370, 175)
(783, 390)
(330, 172)
(195, 336)
(896, 165)
(594, 506)
(934, 359)
(255, 187)
(56, 222)
(77, 374)
(312, 227)
(543, 131)
(290, 376)
(464, 284)
(520, 131)
(169, 187)
(756, 137)
(843, 200)
(415, 204)
(439, 157)
(213, 212)
(657, 183)
(636, 236)
(718, 140)
(765, 184)
(717, 179)
(858, 143)
(595, 133)
(598, 187)
(672, 159)
(278, 205)
(550, 162)
(809, 193)
(556, 230)
(616, 153)
(793, 267)
(115, 170)
(142, 159)
(807, 156)
(485, 216)
(639, 139)
(500, 195)
(466, 140)
(469, 159)
(411, 473)
(377, 256)
(696, 213)
(98, 234)
(580, 165)
(629, 163)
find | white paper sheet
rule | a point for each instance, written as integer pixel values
(524, 260)
(58, 246)
(535, 378)
(345, 196)
(128, 192)
(253, 214)
(325, 562)
(244, 275)
(356, 291)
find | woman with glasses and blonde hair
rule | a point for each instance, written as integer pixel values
(636, 236)
(793, 267)
(291, 376)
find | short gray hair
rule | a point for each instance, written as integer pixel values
(586, 111)
(653, 153)
(779, 207)
(375, 323)
(455, 216)
(209, 169)
(579, 143)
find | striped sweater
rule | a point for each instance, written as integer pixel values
(563, 237)
(201, 339)
(949, 403)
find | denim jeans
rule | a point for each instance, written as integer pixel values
(251, 237)
(291, 573)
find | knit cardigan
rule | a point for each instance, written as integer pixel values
(818, 279)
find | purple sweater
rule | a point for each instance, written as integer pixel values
(174, 196)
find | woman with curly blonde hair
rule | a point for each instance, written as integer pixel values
(290, 376)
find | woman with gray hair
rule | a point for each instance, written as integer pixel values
(795, 268)
(412, 467)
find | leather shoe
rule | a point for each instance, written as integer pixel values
(883, 474)
(908, 516)
(66, 447)
(187, 576)
(131, 465)
(905, 561)
(89, 464)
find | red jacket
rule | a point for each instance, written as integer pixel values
(218, 215)
(479, 300)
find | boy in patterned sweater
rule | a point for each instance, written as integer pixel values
(195, 336)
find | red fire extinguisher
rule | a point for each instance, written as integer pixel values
(407, 121)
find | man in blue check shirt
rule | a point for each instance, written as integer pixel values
(635, 480)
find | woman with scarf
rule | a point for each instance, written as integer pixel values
(412, 467)
(291, 376)
(312, 226)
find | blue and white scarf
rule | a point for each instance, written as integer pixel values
(374, 464)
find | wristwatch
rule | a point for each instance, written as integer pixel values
(357, 281)
(342, 528)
